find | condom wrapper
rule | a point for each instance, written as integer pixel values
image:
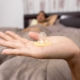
(42, 41)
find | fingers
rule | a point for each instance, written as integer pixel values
(24, 40)
(34, 35)
(10, 44)
(12, 34)
(5, 37)
(6, 43)
(20, 52)
(15, 36)
(11, 51)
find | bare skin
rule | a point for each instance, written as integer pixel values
(43, 21)
(32, 29)
(62, 48)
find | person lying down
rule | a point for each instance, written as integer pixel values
(41, 20)
(61, 48)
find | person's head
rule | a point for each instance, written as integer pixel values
(41, 17)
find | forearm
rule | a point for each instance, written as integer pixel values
(53, 19)
(74, 65)
(50, 17)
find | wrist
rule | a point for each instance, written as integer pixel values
(76, 56)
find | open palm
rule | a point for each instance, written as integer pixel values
(62, 47)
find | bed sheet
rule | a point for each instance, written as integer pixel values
(26, 68)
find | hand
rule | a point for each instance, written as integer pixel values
(62, 47)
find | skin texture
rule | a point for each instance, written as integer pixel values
(62, 48)
(32, 29)
(46, 21)
(42, 20)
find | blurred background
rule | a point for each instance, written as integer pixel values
(51, 6)
(12, 11)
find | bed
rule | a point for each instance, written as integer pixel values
(72, 21)
(26, 68)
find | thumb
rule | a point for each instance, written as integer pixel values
(34, 35)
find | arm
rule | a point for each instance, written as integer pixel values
(52, 19)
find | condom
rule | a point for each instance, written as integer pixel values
(42, 41)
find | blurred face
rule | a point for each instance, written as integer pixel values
(41, 17)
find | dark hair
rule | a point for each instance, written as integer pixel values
(43, 13)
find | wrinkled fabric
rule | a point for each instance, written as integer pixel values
(26, 68)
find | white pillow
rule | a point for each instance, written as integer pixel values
(33, 22)
(65, 17)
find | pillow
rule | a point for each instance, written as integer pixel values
(65, 16)
(33, 22)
